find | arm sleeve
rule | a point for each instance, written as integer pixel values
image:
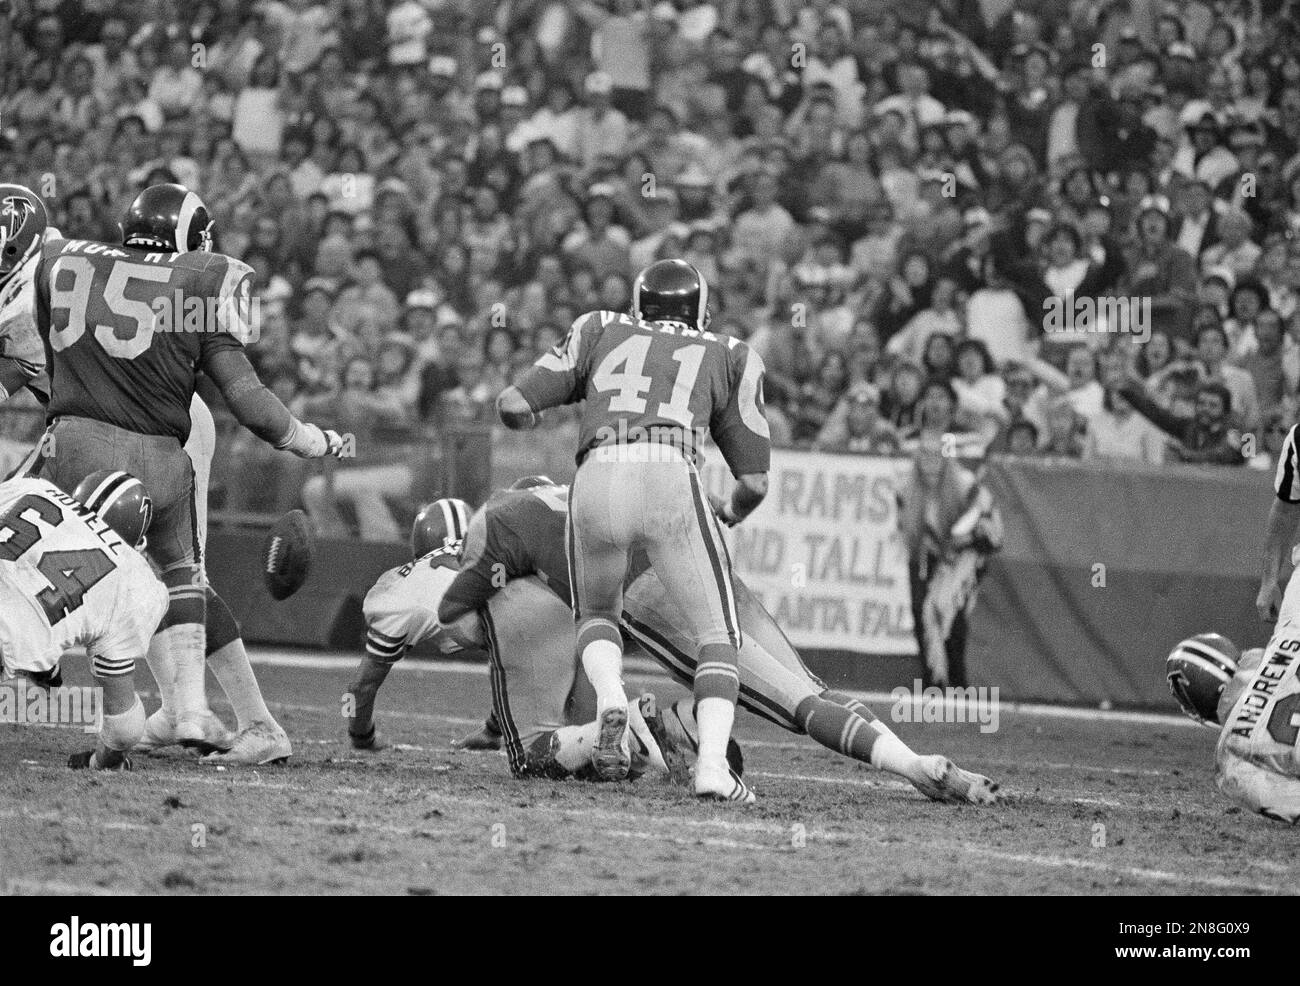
(1169, 423)
(1286, 484)
(555, 378)
(255, 407)
(740, 427)
(494, 554)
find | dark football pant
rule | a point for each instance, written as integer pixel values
(76, 447)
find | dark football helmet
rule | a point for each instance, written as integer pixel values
(169, 218)
(1198, 669)
(531, 482)
(440, 524)
(22, 225)
(671, 291)
(120, 501)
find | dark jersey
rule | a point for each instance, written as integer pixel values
(515, 534)
(656, 381)
(125, 330)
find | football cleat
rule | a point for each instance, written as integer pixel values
(722, 784)
(647, 754)
(207, 735)
(486, 737)
(368, 740)
(942, 780)
(611, 756)
(682, 734)
(676, 747)
(257, 744)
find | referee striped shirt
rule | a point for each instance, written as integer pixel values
(1286, 484)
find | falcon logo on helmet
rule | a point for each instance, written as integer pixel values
(440, 525)
(671, 291)
(23, 221)
(1198, 669)
(170, 218)
(120, 501)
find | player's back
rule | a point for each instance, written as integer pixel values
(67, 579)
(401, 608)
(666, 383)
(125, 329)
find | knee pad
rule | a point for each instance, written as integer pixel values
(123, 731)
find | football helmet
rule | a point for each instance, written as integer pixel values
(440, 524)
(168, 217)
(532, 482)
(671, 291)
(120, 501)
(1197, 671)
(23, 221)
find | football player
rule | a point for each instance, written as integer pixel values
(70, 575)
(655, 382)
(517, 537)
(24, 228)
(1254, 699)
(121, 390)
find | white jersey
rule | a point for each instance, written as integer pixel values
(401, 608)
(18, 337)
(67, 580)
(1257, 760)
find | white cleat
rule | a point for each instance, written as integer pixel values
(611, 755)
(722, 784)
(257, 744)
(207, 734)
(942, 780)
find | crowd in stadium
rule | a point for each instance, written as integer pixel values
(885, 197)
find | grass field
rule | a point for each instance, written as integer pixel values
(1096, 805)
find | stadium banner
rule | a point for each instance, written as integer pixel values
(1106, 568)
(823, 553)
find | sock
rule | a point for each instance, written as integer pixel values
(885, 751)
(602, 659)
(716, 688)
(159, 659)
(715, 717)
(183, 644)
(235, 675)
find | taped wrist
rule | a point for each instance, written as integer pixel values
(123, 731)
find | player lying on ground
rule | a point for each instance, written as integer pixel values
(22, 363)
(515, 547)
(71, 575)
(1255, 700)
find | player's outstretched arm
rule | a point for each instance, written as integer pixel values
(1279, 536)
(262, 413)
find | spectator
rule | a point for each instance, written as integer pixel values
(1204, 437)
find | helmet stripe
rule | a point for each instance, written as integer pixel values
(1209, 667)
(107, 492)
(184, 219)
(1205, 653)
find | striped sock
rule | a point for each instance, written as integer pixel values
(873, 742)
(837, 728)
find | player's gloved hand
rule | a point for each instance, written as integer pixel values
(308, 441)
(1269, 601)
(722, 508)
(89, 760)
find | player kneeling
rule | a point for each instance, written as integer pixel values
(71, 575)
(1255, 700)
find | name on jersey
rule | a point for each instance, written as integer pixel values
(107, 536)
(666, 328)
(1262, 689)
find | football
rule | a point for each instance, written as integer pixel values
(287, 555)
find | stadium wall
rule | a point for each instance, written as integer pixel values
(1103, 571)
